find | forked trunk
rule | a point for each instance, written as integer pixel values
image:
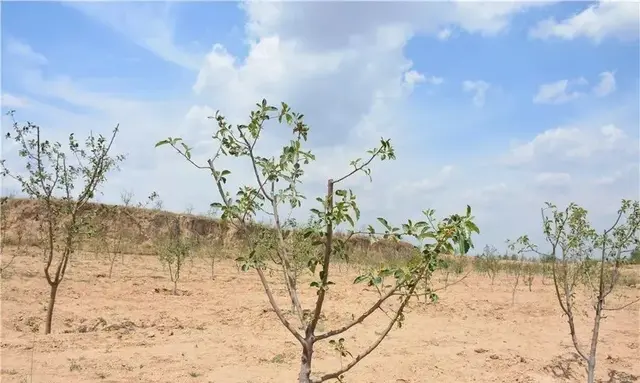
(52, 302)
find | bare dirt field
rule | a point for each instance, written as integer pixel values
(131, 329)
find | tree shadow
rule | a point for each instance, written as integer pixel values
(616, 376)
(565, 366)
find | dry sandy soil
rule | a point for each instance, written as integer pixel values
(129, 329)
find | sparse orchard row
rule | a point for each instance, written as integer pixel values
(332, 237)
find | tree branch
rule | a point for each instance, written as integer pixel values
(358, 168)
(362, 317)
(622, 307)
(384, 334)
(276, 308)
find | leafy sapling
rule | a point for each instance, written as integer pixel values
(276, 183)
(489, 262)
(173, 251)
(517, 249)
(575, 246)
(52, 177)
(530, 270)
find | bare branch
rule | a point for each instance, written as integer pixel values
(375, 344)
(361, 318)
(622, 307)
(276, 308)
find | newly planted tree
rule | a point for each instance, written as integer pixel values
(18, 240)
(114, 235)
(52, 177)
(454, 265)
(276, 184)
(173, 251)
(581, 255)
(517, 249)
(489, 262)
(211, 248)
(529, 272)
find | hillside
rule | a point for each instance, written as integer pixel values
(140, 228)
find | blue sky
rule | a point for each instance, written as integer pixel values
(498, 105)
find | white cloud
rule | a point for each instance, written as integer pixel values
(435, 80)
(413, 77)
(148, 24)
(605, 19)
(558, 92)
(11, 101)
(607, 84)
(346, 70)
(570, 143)
(553, 179)
(622, 173)
(478, 88)
(426, 185)
(444, 34)
(24, 52)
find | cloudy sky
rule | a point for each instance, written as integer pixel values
(502, 106)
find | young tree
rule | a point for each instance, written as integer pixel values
(574, 243)
(276, 180)
(114, 235)
(51, 179)
(517, 249)
(173, 251)
(210, 248)
(18, 229)
(489, 262)
(531, 269)
(634, 257)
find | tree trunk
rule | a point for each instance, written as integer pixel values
(52, 302)
(175, 287)
(113, 260)
(591, 371)
(305, 363)
(591, 363)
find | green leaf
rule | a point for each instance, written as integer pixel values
(360, 279)
(472, 227)
(348, 218)
(160, 143)
(384, 222)
(385, 272)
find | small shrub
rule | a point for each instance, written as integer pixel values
(634, 257)
(173, 251)
(489, 262)
(530, 270)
